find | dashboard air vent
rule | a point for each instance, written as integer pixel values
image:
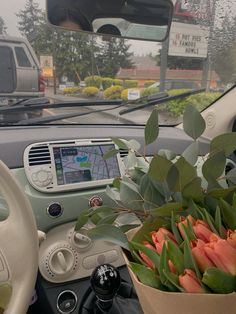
(123, 153)
(39, 155)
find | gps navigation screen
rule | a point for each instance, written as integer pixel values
(77, 164)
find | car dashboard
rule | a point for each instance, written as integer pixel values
(67, 257)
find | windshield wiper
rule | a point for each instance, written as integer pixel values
(43, 103)
(160, 100)
(63, 116)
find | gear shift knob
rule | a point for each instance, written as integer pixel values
(105, 282)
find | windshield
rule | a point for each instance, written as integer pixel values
(69, 66)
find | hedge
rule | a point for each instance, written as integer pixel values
(113, 92)
(91, 91)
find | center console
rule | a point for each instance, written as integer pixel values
(66, 261)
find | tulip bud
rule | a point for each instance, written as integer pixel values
(145, 258)
(202, 231)
(184, 221)
(160, 236)
(200, 256)
(189, 281)
(222, 254)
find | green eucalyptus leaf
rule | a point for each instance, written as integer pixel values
(82, 219)
(130, 160)
(152, 128)
(130, 195)
(166, 153)
(224, 142)
(136, 175)
(191, 153)
(193, 123)
(167, 209)
(147, 276)
(134, 145)
(110, 153)
(109, 233)
(5, 295)
(108, 219)
(120, 143)
(159, 168)
(214, 166)
(221, 193)
(193, 190)
(152, 197)
(219, 281)
(127, 227)
(113, 194)
(186, 174)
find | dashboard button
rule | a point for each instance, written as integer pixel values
(66, 302)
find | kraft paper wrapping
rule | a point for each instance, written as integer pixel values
(161, 302)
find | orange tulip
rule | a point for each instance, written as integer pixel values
(202, 230)
(200, 256)
(189, 281)
(158, 237)
(184, 221)
(145, 258)
(222, 254)
(231, 238)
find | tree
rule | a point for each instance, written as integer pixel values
(113, 55)
(3, 28)
(31, 19)
(223, 49)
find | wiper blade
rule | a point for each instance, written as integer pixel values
(62, 116)
(161, 100)
(30, 105)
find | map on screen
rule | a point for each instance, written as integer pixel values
(84, 163)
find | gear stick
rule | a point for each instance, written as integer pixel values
(109, 294)
(105, 282)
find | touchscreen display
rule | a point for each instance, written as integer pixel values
(77, 164)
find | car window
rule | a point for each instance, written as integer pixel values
(22, 58)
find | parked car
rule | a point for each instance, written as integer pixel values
(20, 75)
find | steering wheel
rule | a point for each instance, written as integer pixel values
(18, 244)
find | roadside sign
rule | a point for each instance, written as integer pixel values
(188, 40)
(133, 94)
(46, 63)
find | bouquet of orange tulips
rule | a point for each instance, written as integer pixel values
(194, 253)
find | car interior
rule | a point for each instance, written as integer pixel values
(50, 266)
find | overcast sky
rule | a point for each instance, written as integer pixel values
(8, 9)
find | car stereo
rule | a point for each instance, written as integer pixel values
(70, 165)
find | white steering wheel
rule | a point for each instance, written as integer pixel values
(18, 244)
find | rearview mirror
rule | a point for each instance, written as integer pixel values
(131, 19)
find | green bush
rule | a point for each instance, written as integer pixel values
(130, 83)
(150, 91)
(113, 92)
(200, 101)
(94, 80)
(149, 83)
(118, 82)
(107, 82)
(91, 91)
(71, 90)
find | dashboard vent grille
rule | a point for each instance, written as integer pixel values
(123, 153)
(39, 155)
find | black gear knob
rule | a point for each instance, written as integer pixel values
(105, 282)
